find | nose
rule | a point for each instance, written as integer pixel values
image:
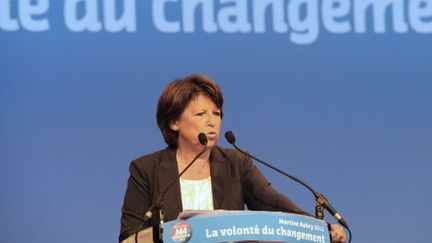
(211, 121)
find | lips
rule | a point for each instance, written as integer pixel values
(211, 135)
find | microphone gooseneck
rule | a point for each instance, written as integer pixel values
(230, 137)
(202, 138)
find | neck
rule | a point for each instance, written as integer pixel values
(188, 150)
(199, 170)
(187, 155)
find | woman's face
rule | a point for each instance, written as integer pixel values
(200, 116)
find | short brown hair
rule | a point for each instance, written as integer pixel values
(177, 95)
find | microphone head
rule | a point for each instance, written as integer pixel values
(230, 137)
(202, 138)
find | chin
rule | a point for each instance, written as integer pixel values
(211, 143)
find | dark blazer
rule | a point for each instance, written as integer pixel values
(236, 181)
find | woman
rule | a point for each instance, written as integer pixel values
(219, 178)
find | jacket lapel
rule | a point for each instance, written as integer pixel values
(166, 172)
(220, 176)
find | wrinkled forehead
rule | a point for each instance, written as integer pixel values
(204, 97)
(202, 101)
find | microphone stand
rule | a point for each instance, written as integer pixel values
(158, 202)
(161, 223)
(321, 201)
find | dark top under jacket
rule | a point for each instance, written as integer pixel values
(236, 181)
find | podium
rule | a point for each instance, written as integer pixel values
(244, 226)
(232, 226)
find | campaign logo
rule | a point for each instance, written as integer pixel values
(181, 232)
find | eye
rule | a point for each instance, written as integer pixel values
(217, 113)
(202, 113)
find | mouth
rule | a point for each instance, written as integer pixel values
(211, 135)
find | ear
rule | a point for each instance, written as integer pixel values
(174, 126)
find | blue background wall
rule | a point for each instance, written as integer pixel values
(349, 113)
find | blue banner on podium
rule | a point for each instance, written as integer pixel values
(231, 226)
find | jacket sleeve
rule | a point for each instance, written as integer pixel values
(136, 201)
(260, 195)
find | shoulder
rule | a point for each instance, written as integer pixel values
(150, 161)
(229, 155)
(219, 152)
(151, 156)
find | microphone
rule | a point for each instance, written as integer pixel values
(202, 138)
(318, 196)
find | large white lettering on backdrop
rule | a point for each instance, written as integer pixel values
(90, 20)
(301, 20)
(28, 15)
